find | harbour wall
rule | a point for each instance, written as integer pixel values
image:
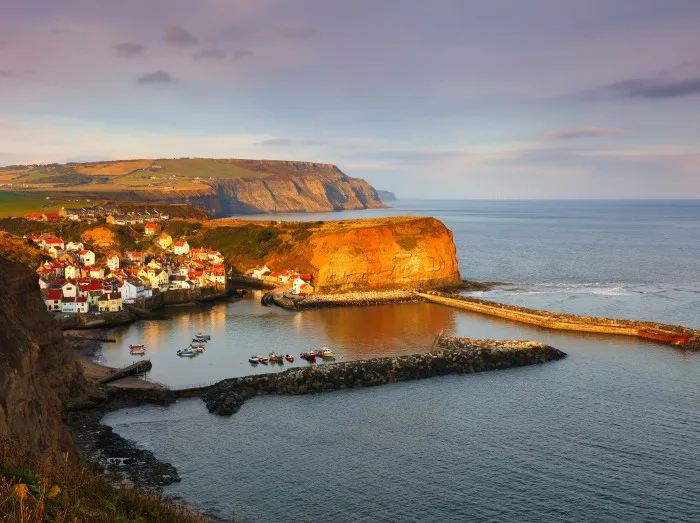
(675, 335)
(449, 356)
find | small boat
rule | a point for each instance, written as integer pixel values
(309, 356)
(274, 358)
(189, 353)
(254, 359)
(197, 348)
(327, 354)
(132, 347)
(263, 360)
(203, 336)
(138, 352)
(199, 340)
(289, 358)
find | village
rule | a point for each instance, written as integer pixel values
(76, 280)
(109, 213)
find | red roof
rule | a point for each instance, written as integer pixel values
(83, 253)
(53, 241)
(81, 300)
(55, 295)
(34, 215)
(151, 225)
(179, 244)
(51, 215)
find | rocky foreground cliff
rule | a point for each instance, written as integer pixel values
(341, 256)
(38, 371)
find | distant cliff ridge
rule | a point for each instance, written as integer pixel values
(387, 196)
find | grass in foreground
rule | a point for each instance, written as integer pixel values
(49, 490)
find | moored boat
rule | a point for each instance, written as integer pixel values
(289, 358)
(189, 353)
(254, 359)
(203, 336)
(309, 356)
(132, 347)
(138, 352)
(198, 348)
(200, 340)
(263, 360)
(327, 354)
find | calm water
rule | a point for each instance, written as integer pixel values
(609, 434)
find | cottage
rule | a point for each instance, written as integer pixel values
(53, 300)
(54, 252)
(134, 256)
(75, 246)
(35, 217)
(81, 305)
(217, 277)
(181, 248)
(96, 272)
(152, 229)
(178, 281)
(284, 276)
(93, 297)
(48, 242)
(68, 305)
(164, 240)
(87, 257)
(113, 262)
(111, 302)
(69, 290)
(259, 272)
(131, 290)
(52, 215)
(215, 257)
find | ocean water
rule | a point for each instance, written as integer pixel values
(609, 434)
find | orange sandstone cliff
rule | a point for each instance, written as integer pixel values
(381, 253)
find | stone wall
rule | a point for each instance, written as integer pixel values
(450, 356)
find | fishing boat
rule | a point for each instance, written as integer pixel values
(203, 336)
(263, 360)
(254, 359)
(309, 356)
(327, 354)
(138, 352)
(188, 353)
(132, 347)
(199, 340)
(275, 358)
(198, 348)
(289, 358)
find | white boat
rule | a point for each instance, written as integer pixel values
(197, 348)
(138, 352)
(254, 359)
(189, 353)
(327, 353)
(202, 336)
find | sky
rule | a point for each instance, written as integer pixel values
(429, 99)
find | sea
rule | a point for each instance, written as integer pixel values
(611, 433)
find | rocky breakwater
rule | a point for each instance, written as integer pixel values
(38, 370)
(449, 356)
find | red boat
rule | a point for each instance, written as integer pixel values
(309, 356)
(263, 360)
(289, 358)
(132, 347)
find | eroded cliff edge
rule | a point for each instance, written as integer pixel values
(342, 256)
(38, 370)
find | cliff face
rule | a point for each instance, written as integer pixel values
(382, 253)
(37, 369)
(321, 188)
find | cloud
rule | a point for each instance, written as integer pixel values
(158, 77)
(230, 33)
(240, 54)
(129, 49)
(583, 132)
(4, 73)
(275, 142)
(210, 54)
(653, 88)
(176, 35)
(297, 33)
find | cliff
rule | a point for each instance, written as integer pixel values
(38, 371)
(387, 196)
(382, 253)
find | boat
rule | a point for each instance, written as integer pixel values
(309, 356)
(138, 352)
(199, 340)
(263, 360)
(132, 347)
(203, 336)
(289, 358)
(274, 358)
(327, 354)
(254, 359)
(189, 353)
(198, 348)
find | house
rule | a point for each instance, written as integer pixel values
(111, 302)
(164, 240)
(284, 276)
(71, 271)
(47, 243)
(131, 290)
(259, 272)
(53, 300)
(54, 252)
(117, 219)
(68, 305)
(181, 248)
(96, 272)
(81, 305)
(158, 279)
(87, 257)
(178, 281)
(92, 298)
(35, 238)
(134, 256)
(215, 257)
(152, 229)
(52, 215)
(113, 262)
(55, 267)
(35, 217)
(200, 254)
(69, 290)
(155, 264)
(217, 277)
(74, 246)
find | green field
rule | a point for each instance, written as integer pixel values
(19, 204)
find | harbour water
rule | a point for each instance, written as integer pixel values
(610, 433)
